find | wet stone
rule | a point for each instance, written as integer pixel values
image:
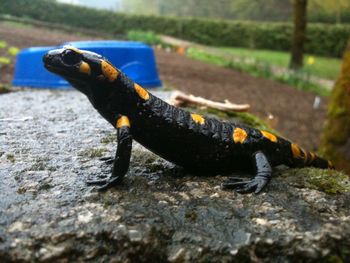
(51, 143)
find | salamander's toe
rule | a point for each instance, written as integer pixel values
(256, 185)
(105, 184)
(97, 182)
(107, 160)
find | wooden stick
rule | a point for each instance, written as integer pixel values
(181, 99)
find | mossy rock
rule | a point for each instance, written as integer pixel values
(93, 152)
(4, 88)
(328, 181)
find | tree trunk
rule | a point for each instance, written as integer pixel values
(335, 143)
(299, 34)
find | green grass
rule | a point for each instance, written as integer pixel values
(262, 63)
(259, 68)
(324, 67)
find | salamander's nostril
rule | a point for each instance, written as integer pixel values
(47, 57)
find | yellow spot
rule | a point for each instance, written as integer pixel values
(73, 49)
(110, 72)
(306, 156)
(85, 68)
(313, 156)
(310, 60)
(330, 165)
(296, 151)
(123, 121)
(239, 135)
(197, 118)
(141, 91)
(269, 136)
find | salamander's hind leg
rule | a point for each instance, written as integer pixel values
(262, 177)
(122, 157)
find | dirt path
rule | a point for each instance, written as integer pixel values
(292, 110)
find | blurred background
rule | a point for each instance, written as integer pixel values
(336, 11)
(283, 57)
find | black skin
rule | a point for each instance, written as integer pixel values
(206, 147)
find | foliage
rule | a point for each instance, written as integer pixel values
(299, 79)
(4, 61)
(3, 44)
(147, 37)
(13, 51)
(257, 63)
(322, 39)
(323, 67)
(329, 11)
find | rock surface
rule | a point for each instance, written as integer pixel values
(51, 142)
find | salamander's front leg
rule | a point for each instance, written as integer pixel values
(262, 177)
(122, 157)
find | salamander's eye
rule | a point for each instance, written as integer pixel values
(70, 57)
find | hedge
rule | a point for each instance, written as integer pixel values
(323, 39)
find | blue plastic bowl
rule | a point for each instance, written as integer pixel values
(134, 58)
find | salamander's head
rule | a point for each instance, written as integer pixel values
(81, 68)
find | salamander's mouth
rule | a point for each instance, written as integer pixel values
(56, 70)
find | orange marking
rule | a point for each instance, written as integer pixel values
(305, 155)
(110, 72)
(198, 119)
(141, 91)
(313, 156)
(296, 151)
(85, 68)
(239, 135)
(330, 165)
(269, 136)
(123, 121)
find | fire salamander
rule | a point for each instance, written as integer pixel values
(198, 144)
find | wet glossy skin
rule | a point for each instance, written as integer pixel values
(197, 143)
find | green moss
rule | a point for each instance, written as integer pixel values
(337, 129)
(11, 158)
(93, 152)
(4, 89)
(332, 259)
(328, 181)
(21, 190)
(341, 257)
(40, 164)
(110, 138)
(150, 161)
(191, 215)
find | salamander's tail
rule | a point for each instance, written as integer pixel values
(302, 158)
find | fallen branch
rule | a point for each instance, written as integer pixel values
(180, 99)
